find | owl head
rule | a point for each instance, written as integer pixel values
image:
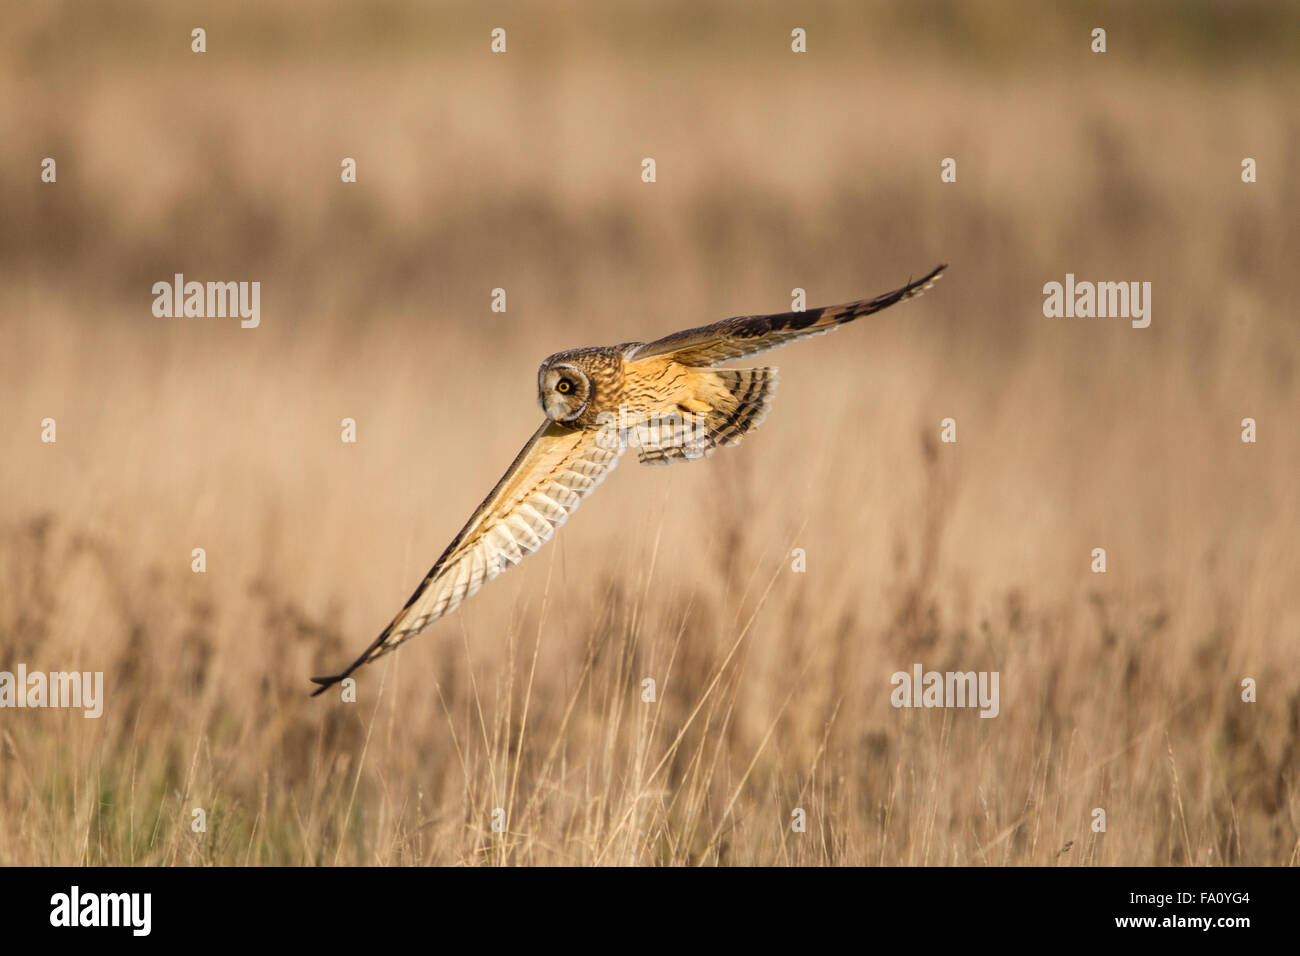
(564, 390)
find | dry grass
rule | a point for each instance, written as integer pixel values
(1117, 691)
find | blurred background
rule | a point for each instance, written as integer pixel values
(775, 170)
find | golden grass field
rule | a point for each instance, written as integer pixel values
(1118, 691)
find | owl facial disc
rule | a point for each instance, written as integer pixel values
(563, 391)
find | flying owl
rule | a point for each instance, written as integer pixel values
(664, 398)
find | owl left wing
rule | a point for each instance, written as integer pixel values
(750, 334)
(547, 481)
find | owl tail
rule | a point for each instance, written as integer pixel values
(717, 407)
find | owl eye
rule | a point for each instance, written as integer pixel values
(564, 386)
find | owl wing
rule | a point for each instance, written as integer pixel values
(750, 334)
(548, 480)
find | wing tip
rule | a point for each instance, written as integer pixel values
(926, 281)
(914, 290)
(325, 683)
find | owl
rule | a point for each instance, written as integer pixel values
(667, 399)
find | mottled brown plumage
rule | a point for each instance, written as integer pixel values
(663, 397)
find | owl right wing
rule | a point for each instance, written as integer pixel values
(750, 334)
(548, 480)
